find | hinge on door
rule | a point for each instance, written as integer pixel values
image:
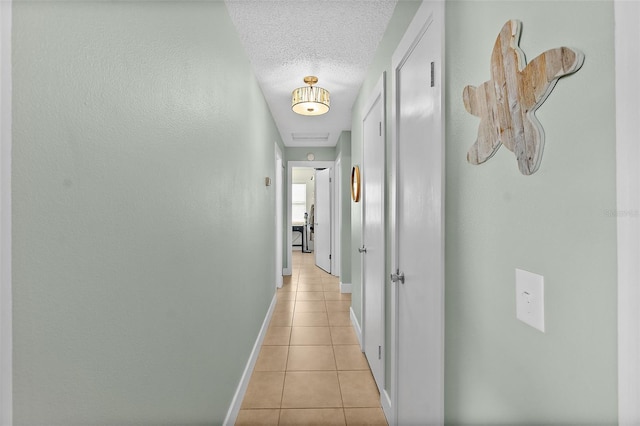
(433, 78)
(380, 128)
(379, 352)
(329, 257)
(329, 179)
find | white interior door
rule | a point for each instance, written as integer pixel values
(373, 250)
(322, 220)
(419, 244)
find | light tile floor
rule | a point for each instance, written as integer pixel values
(311, 370)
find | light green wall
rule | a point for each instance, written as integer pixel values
(139, 200)
(129, 200)
(343, 146)
(499, 370)
(402, 16)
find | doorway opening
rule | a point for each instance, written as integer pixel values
(315, 232)
(302, 208)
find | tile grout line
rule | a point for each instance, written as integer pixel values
(297, 273)
(286, 364)
(284, 379)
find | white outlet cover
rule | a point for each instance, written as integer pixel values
(530, 298)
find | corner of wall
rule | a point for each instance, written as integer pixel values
(356, 326)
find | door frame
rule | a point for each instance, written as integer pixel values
(6, 334)
(290, 166)
(279, 166)
(428, 13)
(378, 93)
(627, 61)
(336, 214)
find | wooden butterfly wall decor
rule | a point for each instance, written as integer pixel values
(507, 103)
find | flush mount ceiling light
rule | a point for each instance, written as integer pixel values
(310, 100)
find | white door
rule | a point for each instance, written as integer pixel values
(279, 234)
(322, 220)
(373, 255)
(419, 244)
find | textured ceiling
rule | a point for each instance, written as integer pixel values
(334, 40)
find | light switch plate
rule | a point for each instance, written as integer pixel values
(530, 298)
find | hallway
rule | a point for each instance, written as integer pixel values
(311, 369)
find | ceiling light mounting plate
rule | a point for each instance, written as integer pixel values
(311, 80)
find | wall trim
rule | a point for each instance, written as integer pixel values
(385, 401)
(6, 315)
(279, 213)
(356, 326)
(627, 62)
(236, 402)
(336, 216)
(345, 287)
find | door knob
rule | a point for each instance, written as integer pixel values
(362, 249)
(397, 277)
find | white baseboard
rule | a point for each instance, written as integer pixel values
(385, 401)
(236, 402)
(345, 288)
(356, 326)
(286, 271)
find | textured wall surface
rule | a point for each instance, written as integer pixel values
(334, 40)
(139, 203)
(554, 223)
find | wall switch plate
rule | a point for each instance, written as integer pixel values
(530, 298)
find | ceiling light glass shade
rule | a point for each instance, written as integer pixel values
(310, 100)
